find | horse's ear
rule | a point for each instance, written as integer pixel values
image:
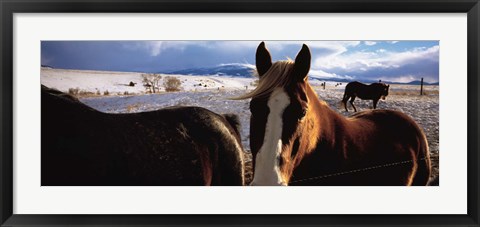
(263, 60)
(302, 63)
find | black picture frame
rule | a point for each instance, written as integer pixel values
(10, 7)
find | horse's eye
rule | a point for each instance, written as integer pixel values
(304, 112)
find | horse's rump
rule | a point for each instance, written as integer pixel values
(373, 148)
(395, 144)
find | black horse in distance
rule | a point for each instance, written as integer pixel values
(373, 92)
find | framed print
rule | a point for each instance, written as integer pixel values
(124, 112)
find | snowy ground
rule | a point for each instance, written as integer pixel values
(215, 96)
(117, 83)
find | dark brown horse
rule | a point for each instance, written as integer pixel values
(296, 139)
(373, 92)
(174, 146)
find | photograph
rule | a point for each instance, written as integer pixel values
(239, 112)
(190, 113)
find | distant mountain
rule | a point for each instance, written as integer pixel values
(418, 82)
(331, 79)
(233, 69)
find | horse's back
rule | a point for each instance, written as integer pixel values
(367, 92)
(385, 123)
(394, 117)
(174, 146)
(352, 87)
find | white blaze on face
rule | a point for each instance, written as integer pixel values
(267, 169)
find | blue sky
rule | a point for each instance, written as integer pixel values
(397, 61)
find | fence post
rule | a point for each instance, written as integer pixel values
(421, 87)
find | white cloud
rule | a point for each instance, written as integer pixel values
(370, 43)
(233, 46)
(378, 59)
(408, 78)
(155, 48)
(415, 54)
(395, 66)
(399, 79)
(313, 44)
(318, 49)
(322, 74)
(46, 60)
(328, 47)
(392, 42)
(239, 64)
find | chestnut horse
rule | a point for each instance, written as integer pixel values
(174, 146)
(375, 92)
(296, 139)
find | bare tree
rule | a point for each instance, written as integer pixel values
(151, 82)
(172, 84)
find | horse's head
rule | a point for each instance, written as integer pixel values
(280, 122)
(384, 90)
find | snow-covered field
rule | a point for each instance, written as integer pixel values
(215, 96)
(117, 83)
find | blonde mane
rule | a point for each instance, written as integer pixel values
(276, 76)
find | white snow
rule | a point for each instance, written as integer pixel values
(114, 82)
(117, 82)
